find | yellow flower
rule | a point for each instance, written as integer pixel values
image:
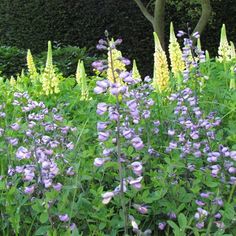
(81, 80)
(224, 50)
(115, 64)
(177, 63)
(12, 81)
(50, 82)
(135, 72)
(161, 71)
(30, 64)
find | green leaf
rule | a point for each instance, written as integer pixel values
(173, 225)
(42, 230)
(182, 221)
(43, 217)
(229, 212)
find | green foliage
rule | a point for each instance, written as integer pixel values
(66, 59)
(12, 60)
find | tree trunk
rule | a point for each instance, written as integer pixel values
(159, 21)
(205, 16)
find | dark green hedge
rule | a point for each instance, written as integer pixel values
(31, 23)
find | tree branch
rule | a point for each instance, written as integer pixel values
(144, 11)
(205, 16)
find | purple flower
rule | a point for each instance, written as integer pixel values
(15, 126)
(141, 208)
(196, 35)
(200, 203)
(29, 189)
(233, 155)
(107, 197)
(137, 143)
(200, 225)
(205, 195)
(136, 183)
(23, 153)
(57, 187)
(171, 215)
(102, 125)
(103, 136)
(137, 167)
(70, 171)
(162, 225)
(101, 108)
(64, 218)
(13, 141)
(98, 162)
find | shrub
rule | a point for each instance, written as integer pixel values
(12, 60)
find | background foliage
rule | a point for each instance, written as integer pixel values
(31, 23)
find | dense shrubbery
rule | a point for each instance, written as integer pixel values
(158, 158)
(70, 23)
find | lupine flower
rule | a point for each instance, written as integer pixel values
(177, 63)
(30, 64)
(135, 72)
(161, 71)
(224, 49)
(50, 82)
(115, 64)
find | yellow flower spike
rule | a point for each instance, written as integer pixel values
(12, 81)
(115, 65)
(224, 48)
(50, 82)
(30, 64)
(177, 63)
(78, 74)
(83, 82)
(232, 50)
(161, 71)
(135, 72)
(207, 55)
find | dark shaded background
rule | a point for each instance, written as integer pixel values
(31, 23)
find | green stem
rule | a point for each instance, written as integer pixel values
(231, 193)
(118, 145)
